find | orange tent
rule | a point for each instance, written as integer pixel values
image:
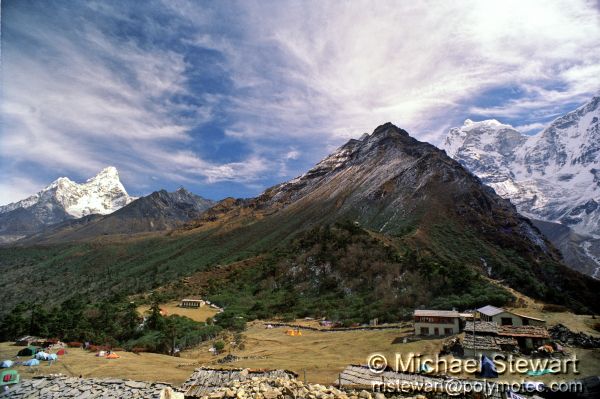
(60, 352)
(113, 356)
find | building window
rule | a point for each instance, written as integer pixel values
(507, 321)
(525, 322)
(448, 331)
(436, 331)
(424, 331)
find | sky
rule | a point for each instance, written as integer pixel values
(227, 98)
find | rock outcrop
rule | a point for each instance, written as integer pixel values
(567, 337)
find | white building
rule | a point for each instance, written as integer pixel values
(503, 317)
(191, 303)
(436, 322)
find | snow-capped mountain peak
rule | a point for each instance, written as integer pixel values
(489, 123)
(101, 194)
(552, 176)
(108, 173)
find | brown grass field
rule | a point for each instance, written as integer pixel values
(323, 355)
(320, 355)
(198, 314)
(142, 367)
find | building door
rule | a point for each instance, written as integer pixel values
(507, 321)
(436, 331)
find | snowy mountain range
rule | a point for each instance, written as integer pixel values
(553, 176)
(64, 199)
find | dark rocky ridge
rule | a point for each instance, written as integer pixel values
(158, 211)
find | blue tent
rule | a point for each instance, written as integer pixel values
(31, 362)
(52, 356)
(425, 368)
(41, 356)
(488, 368)
(6, 364)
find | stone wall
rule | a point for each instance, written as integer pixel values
(54, 387)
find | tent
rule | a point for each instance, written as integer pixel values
(488, 368)
(41, 356)
(6, 364)
(425, 368)
(101, 354)
(60, 352)
(31, 362)
(536, 373)
(113, 356)
(8, 377)
(29, 351)
(52, 356)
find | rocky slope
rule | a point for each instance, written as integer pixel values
(63, 199)
(393, 185)
(552, 176)
(580, 252)
(388, 180)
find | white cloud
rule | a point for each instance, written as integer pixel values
(293, 154)
(15, 188)
(77, 101)
(333, 70)
(312, 73)
(536, 126)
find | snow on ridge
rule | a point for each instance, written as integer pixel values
(553, 175)
(103, 193)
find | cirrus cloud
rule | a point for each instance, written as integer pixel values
(248, 93)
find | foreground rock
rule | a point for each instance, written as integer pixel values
(51, 387)
(206, 383)
(284, 388)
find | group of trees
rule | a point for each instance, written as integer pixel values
(114, 322)
(111, 321)
(348, 275)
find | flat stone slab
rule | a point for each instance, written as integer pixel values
(55, 387)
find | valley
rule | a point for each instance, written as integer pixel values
(382, 226)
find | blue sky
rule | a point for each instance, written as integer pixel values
(228, 98)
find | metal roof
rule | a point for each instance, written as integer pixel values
(490, 310)
(436, 313)
(528, 317)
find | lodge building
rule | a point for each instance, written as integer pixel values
(191, 303)
(436, 322)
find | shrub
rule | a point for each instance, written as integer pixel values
(219, 346)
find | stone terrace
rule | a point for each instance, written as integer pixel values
(54, 387)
